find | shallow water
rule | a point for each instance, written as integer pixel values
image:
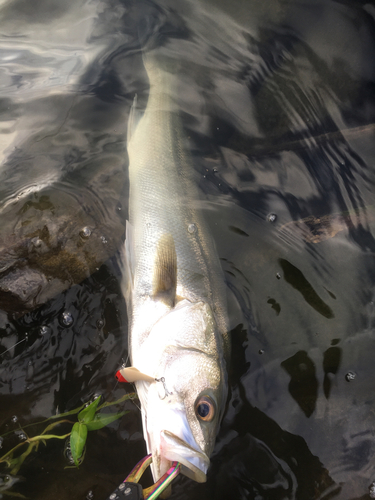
(278, 103)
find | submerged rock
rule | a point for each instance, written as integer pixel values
(54, 238)
(317, 229)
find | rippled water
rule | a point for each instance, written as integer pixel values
(277, 100)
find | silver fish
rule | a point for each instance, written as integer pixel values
(175, 291)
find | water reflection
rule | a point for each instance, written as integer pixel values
(277, 100)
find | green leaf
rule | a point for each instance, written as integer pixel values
(78, 438)
(103, 419)
(88, 413)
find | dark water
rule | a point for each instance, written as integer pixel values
(278, 102)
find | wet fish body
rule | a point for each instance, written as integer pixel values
(174, 289)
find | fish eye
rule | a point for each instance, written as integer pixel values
(205, 409)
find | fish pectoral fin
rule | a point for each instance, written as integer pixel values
(165, 271)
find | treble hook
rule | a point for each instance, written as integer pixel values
(162, 380)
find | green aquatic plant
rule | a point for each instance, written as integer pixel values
(89, 418)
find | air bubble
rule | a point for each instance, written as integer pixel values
(372, 490)
(67, 318)
(22, 436)
(85, 232)
(215, 170)
(350, 376)
(90, 495)
(103, 238)
(192, 228)
(43, 330)
(271, 217)
(68, 452)
(278, 276)
(14, 419)
(95, 396)
(100, 323)
(261, 351)
(1, 442)
(37, 242)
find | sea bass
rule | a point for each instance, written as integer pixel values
(174, 289)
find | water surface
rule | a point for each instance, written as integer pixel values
(278, 104)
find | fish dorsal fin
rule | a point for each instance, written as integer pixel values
(132, 374)
(134, 117)
(165, 271)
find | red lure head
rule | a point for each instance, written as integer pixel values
(119, 377)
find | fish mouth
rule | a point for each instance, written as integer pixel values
(194, 463)
(169, 437)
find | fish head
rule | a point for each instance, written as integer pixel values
(183, 408)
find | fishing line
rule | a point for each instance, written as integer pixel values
(23, 340)
(135, 404)
(123, 366)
